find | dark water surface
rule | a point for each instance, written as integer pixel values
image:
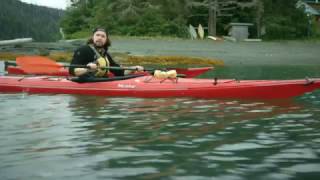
(89, 137)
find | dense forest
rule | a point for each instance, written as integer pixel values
(272, 19)
(20, 20)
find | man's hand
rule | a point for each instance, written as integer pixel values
(92, 66)
(138, 68)
(80, 71)
(134, 69)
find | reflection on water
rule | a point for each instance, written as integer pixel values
(88, 137)
(264, 72)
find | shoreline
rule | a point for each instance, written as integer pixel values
(231, 53)
(240, 53)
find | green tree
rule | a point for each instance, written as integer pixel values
(283, 20)
(19, 20)
(280, 18)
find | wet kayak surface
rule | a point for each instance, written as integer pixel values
(90, 137)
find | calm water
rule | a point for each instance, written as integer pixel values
(88, 137)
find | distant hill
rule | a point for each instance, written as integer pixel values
(20, 20)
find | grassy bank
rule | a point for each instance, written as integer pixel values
(184, 52)
(126, 59)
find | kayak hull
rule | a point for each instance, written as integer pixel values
(189, 72)
(149, 87)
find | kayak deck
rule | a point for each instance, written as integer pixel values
(149, 87)
(188, 72)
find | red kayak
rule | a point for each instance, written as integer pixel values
(188, 72)
(150, 87)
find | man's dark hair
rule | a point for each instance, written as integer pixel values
(108, 42)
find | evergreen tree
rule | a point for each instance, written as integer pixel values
(279, 18)
(19, 20)
(283, 20)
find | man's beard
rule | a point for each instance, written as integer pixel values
(98, 44)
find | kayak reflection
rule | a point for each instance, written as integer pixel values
(148, 119)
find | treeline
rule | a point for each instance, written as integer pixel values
(19, 20)
(272, 19)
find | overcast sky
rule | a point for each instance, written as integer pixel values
(60, 4)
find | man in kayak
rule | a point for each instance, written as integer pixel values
(95, 55)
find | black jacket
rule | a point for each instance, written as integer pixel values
(85, 55)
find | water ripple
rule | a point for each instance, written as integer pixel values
(87, 137)
(239, 147)
(303, 168)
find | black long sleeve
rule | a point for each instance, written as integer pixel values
(85, 55)
(82, 56)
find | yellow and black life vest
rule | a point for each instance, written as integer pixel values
(102, 69)
(102, 63)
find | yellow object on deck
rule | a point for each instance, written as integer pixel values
(165, 75)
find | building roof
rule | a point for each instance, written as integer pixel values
(240, 24)
(310, 7)
(312, 1)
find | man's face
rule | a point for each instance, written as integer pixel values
(99, 38)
